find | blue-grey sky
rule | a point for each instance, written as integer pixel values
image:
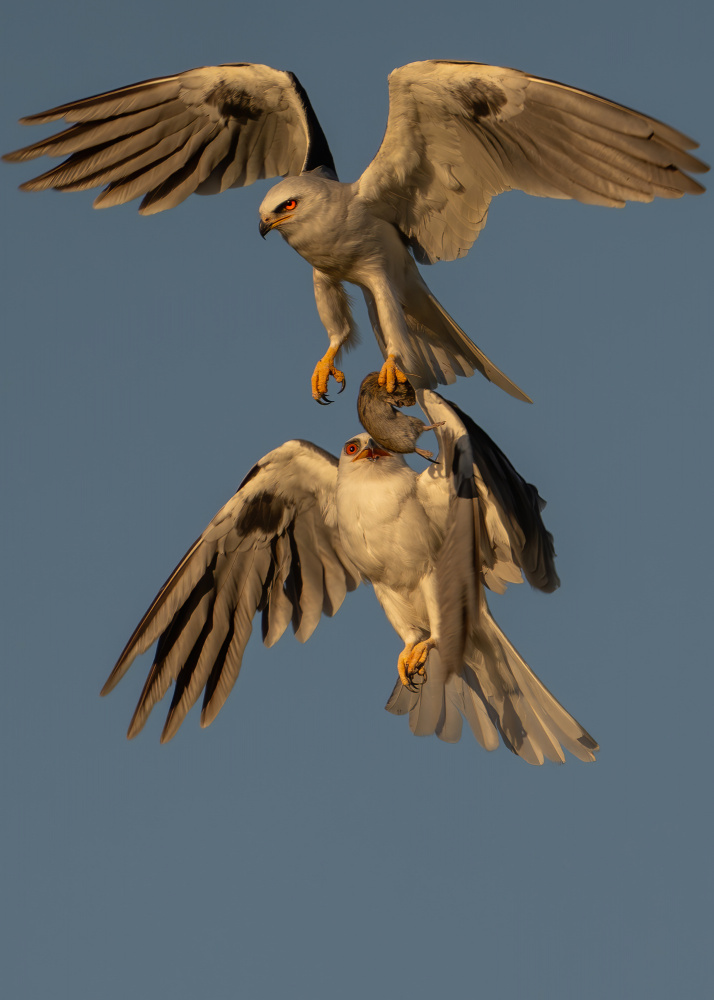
(306, 844)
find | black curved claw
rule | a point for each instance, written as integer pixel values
(323, 400)
(344, 386)
(412, 684)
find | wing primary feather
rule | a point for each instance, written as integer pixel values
(123, 100)
(160, 612)
(147, 181)
(273, 550)
(172, 651)
(618, 117)
(215, 674)
(226, 664)
(521, 503)
(177, 710)
(256, 122)
(277, 615)
(293, 581)
(312, 595)
(106, 164)
(318, 152)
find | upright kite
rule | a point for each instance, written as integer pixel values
(458, 134)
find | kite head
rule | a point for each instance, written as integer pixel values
(365, 470)
(362, 451)
(296, 207)
(364, 448)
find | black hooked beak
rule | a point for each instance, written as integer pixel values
(264, 228)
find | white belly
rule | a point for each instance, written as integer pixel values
(384, 526)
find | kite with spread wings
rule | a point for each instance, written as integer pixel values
(304, 528)
(458, 133)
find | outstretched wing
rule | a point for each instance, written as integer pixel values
(509, 503)
(460, 133)
(495, 527)
(512, 535)
(273, 548)
(203, 131)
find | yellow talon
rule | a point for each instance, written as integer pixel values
(390, 374)
(321, 376)
(412, 662)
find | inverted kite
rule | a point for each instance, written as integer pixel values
(304, 528)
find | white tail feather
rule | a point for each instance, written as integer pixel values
(496, 692)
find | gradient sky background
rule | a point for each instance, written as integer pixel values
(306, 845)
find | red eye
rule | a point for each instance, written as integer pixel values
(352, 448)
(288, 206)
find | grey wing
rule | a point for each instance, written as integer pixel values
(458, 563)
(273, 549)
(513, 539)
(493, 513)
(509, 504)
(203, 131)
(460, 133)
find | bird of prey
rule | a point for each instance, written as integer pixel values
(304, 528)
(458, 133)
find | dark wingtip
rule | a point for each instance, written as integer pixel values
(318, 152)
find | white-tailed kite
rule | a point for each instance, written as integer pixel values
(458, 133)
(304, 528)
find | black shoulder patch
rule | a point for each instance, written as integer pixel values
(262, 513)
(482, 101)
(241, 107)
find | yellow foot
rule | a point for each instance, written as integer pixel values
(412, 662)
(390, 374)
(321, 376)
